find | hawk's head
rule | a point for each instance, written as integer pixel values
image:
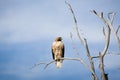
(58, 39)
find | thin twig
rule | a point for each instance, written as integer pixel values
(37, 65)
(73, 45)
(43, 63)
(104, 32)
(112, 14)
(95, 57)
(112, 28)
(115, 53)
(48, 64)
(117, 29)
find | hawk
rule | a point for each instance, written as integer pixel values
(58, 51)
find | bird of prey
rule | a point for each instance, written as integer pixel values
(58, 51)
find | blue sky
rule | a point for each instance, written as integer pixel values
(28, 28)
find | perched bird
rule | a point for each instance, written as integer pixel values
(58, 51)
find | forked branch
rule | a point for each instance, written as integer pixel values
(107, 35)
(107, 41)
(113, 30)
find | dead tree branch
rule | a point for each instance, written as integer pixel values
(115, 53)
(110, 19)
(103, 29)
(118, 29)
(94, 76)
(84, 43)
(75, 59)
(107, 39)
(75, 20)
(43, 63)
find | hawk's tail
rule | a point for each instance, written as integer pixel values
(59, 64)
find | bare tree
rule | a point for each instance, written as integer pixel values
(107, 29)
(107, 34)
